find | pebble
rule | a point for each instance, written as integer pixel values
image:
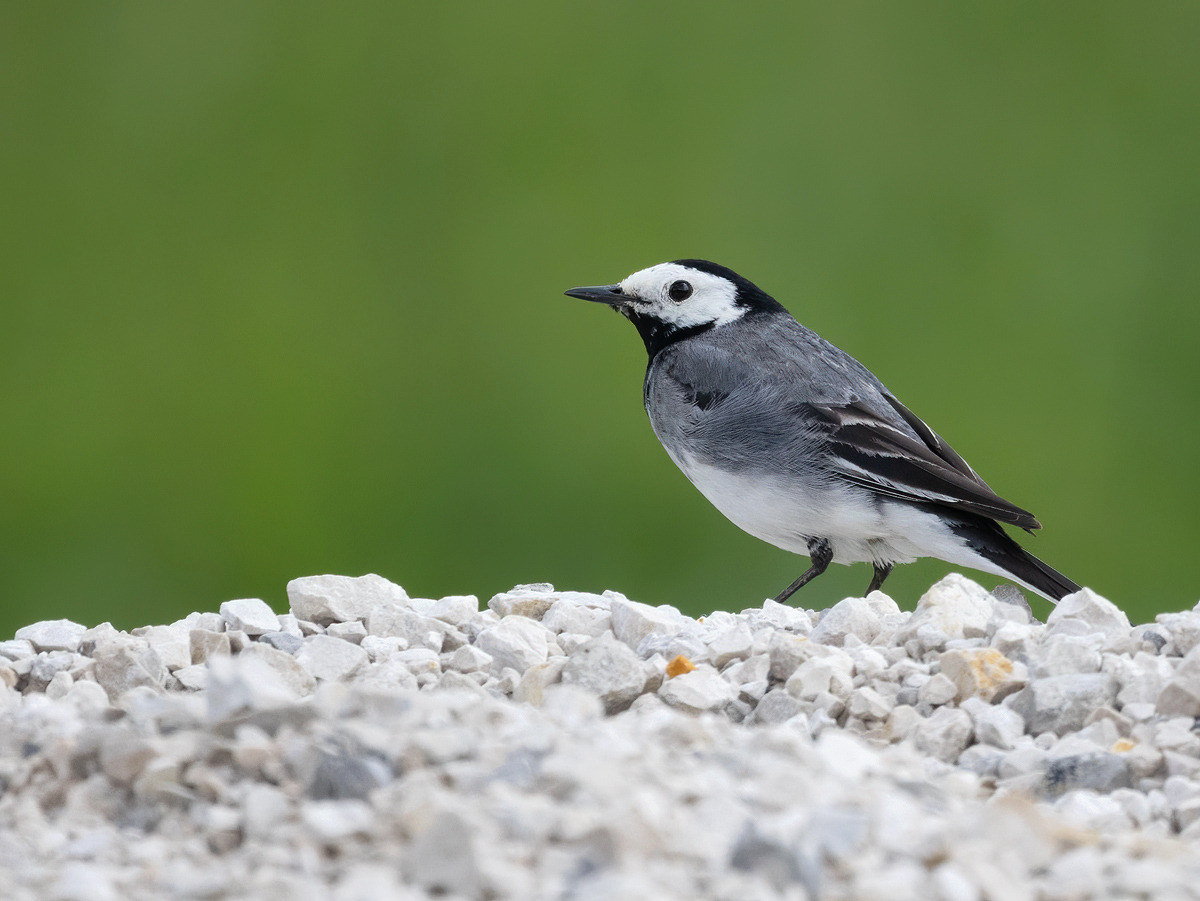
(568, 744)
(609, 669)
(330, 659)
(250, 615)
(338, 599)
(52, 635)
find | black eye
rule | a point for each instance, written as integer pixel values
(679, 291)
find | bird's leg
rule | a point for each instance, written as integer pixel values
(881, 573)
(821, 553)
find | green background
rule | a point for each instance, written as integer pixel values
(281, 283)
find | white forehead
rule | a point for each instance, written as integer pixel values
(713, 298)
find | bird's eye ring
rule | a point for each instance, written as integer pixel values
(679, 291)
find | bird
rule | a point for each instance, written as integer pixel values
(798, 443)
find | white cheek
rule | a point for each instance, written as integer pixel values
(711, 307)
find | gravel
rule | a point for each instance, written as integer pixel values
(567, 745)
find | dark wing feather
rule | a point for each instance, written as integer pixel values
(870, 451)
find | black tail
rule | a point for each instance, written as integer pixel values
(987, 539)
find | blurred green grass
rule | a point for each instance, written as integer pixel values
(282, 284)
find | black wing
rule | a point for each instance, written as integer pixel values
(871, 451)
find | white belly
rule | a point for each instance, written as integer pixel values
(860, 529)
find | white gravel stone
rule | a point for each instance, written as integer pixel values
(291, 670)
(945, 734)
(330, 822)
(939, 689)
(852, 616)
(124, 663)
(330, 659)
(238, 685)
(353, 631)
(170, 643)
(697, 691)
(516, 642)
(1061, 704)
(982, 673)
(995, 725)
(52, 635)
(1098, 615)
(609, 669)
(954, 608)
(1181, 695)
(455, 609)
(632, 621)
(204, 644)
(250, 615)
(337, 599)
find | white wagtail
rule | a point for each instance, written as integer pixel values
(798, 443)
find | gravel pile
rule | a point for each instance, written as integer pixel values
(564, 745)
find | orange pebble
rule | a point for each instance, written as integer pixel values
(678, 666)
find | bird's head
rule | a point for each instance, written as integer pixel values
(673, 301)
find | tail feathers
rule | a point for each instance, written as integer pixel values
(1008, 558)
(1045, 580)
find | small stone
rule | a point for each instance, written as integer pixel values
(516, 642)
(954, 608)
(535, 680)
(282, 641)
(123, 756)
(192, 678)
(330, 659)
(59, 685)
(250, 615)
(81, 881)
(633, 621)
(264, 808)
(902, 722)
(454, 609)
(775, 706)
(240, 684)
(677, 666)
(867, 704)
(290, 670)
(995, 725)
(733, 643)
(1061, 704)
(401, 621)
(820, 675)
(530, 601)
(1098, 771)
(940, 689)
(16, 649)
(1097, 614)
(330, 822)
(353, 631)
(205, 644)
(124, 663)
(85, 695)
(53, 635)
(570, 615)
(47, 664)
(335, 599)
(343, 776)
(982, 673)
(945, 734)
(443, 858)
(470, 659)
(171, 643)
(697, 691)
(609, 669)
(851, 616)
(1181, 695)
